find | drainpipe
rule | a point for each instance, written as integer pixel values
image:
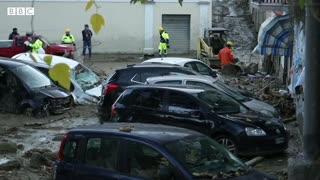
(307, 167)
(312, 83)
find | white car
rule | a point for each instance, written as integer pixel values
(251, 103)
(193, 64)
(85, 84)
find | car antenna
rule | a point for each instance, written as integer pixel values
(126, 128)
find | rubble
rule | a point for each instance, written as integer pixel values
(8, 147)
(265, 88)
(8, 165)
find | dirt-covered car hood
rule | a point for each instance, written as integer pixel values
(253, 118)
(53, 92)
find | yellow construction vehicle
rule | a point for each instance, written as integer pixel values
(209, 46)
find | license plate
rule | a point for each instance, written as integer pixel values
(280, 140)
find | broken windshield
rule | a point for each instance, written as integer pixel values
(202, 156)
(221, 103)
(32, 77)
(84, 77)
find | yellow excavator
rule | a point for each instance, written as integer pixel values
(209, 46)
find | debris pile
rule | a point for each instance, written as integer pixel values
(265, 88)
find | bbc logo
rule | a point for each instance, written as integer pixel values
(20, 11)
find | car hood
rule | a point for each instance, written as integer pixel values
(252, 118)
(53, 92)
(257, 105)
(95, 92)
(254, 175)
(61, 46)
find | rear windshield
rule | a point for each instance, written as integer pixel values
(220, 103)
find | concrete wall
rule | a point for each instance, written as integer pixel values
(125, 26)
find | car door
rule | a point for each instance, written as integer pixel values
(12, 91)
(183, 110)
(147, 105)
(100, 159)
(141, 160)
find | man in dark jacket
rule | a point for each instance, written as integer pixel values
(14, 33)
(86, 38)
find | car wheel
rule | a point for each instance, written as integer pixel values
(228, 143)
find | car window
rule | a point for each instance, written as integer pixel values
(32, 77)
(203, 69)
(69, 150)
(144, 161)
(203, 157)
(198, 84)
(182, 104)
(169, 82)
(189, 66)
(86, 78)
(148, 98)
(102, 152)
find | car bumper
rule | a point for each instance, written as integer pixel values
(103, 109)
(263, 145)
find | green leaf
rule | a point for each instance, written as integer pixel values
(89, 5)
(97, 21)
(48, 60)
(61, 74)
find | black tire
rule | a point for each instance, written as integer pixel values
(228, 143)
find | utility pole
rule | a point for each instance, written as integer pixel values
(309, 167)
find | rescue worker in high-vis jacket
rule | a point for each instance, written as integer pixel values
(164, 42)
(35, 44)
(226, 56)
(67, 38)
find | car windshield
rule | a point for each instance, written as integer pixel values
(84, 77)
(32, 77)
(204, 157)
(235, 94)
(221, 103)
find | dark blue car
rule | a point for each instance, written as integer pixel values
(145, 151)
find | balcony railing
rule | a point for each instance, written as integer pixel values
(271, 1)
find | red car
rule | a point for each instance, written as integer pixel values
(9, 48)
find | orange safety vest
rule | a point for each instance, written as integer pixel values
(225, 56)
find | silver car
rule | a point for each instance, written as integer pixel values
(251, 103)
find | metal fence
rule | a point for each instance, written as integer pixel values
(271, 1)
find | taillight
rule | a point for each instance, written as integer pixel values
(109, 88)
(63, 142)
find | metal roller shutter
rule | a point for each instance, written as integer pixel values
(178, 28)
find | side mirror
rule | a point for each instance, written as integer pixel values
(165, 173)
(213, 73)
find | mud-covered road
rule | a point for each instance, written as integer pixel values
(28, 146)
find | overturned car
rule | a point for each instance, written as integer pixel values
(85, 84)
(24, 89)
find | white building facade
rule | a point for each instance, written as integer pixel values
(128, 28)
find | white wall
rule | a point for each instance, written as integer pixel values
(124, 30)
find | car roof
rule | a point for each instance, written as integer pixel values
(178, 87)
(152, 132)
(205, 79)
(153, 66)
(9, 63)
(171, 60)
(40, 59)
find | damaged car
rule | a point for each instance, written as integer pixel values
(139, 151)
(85, 84)
(24, 89)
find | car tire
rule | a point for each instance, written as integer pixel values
(228, 143)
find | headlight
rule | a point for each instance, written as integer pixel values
(255, 132)
(266, 112)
